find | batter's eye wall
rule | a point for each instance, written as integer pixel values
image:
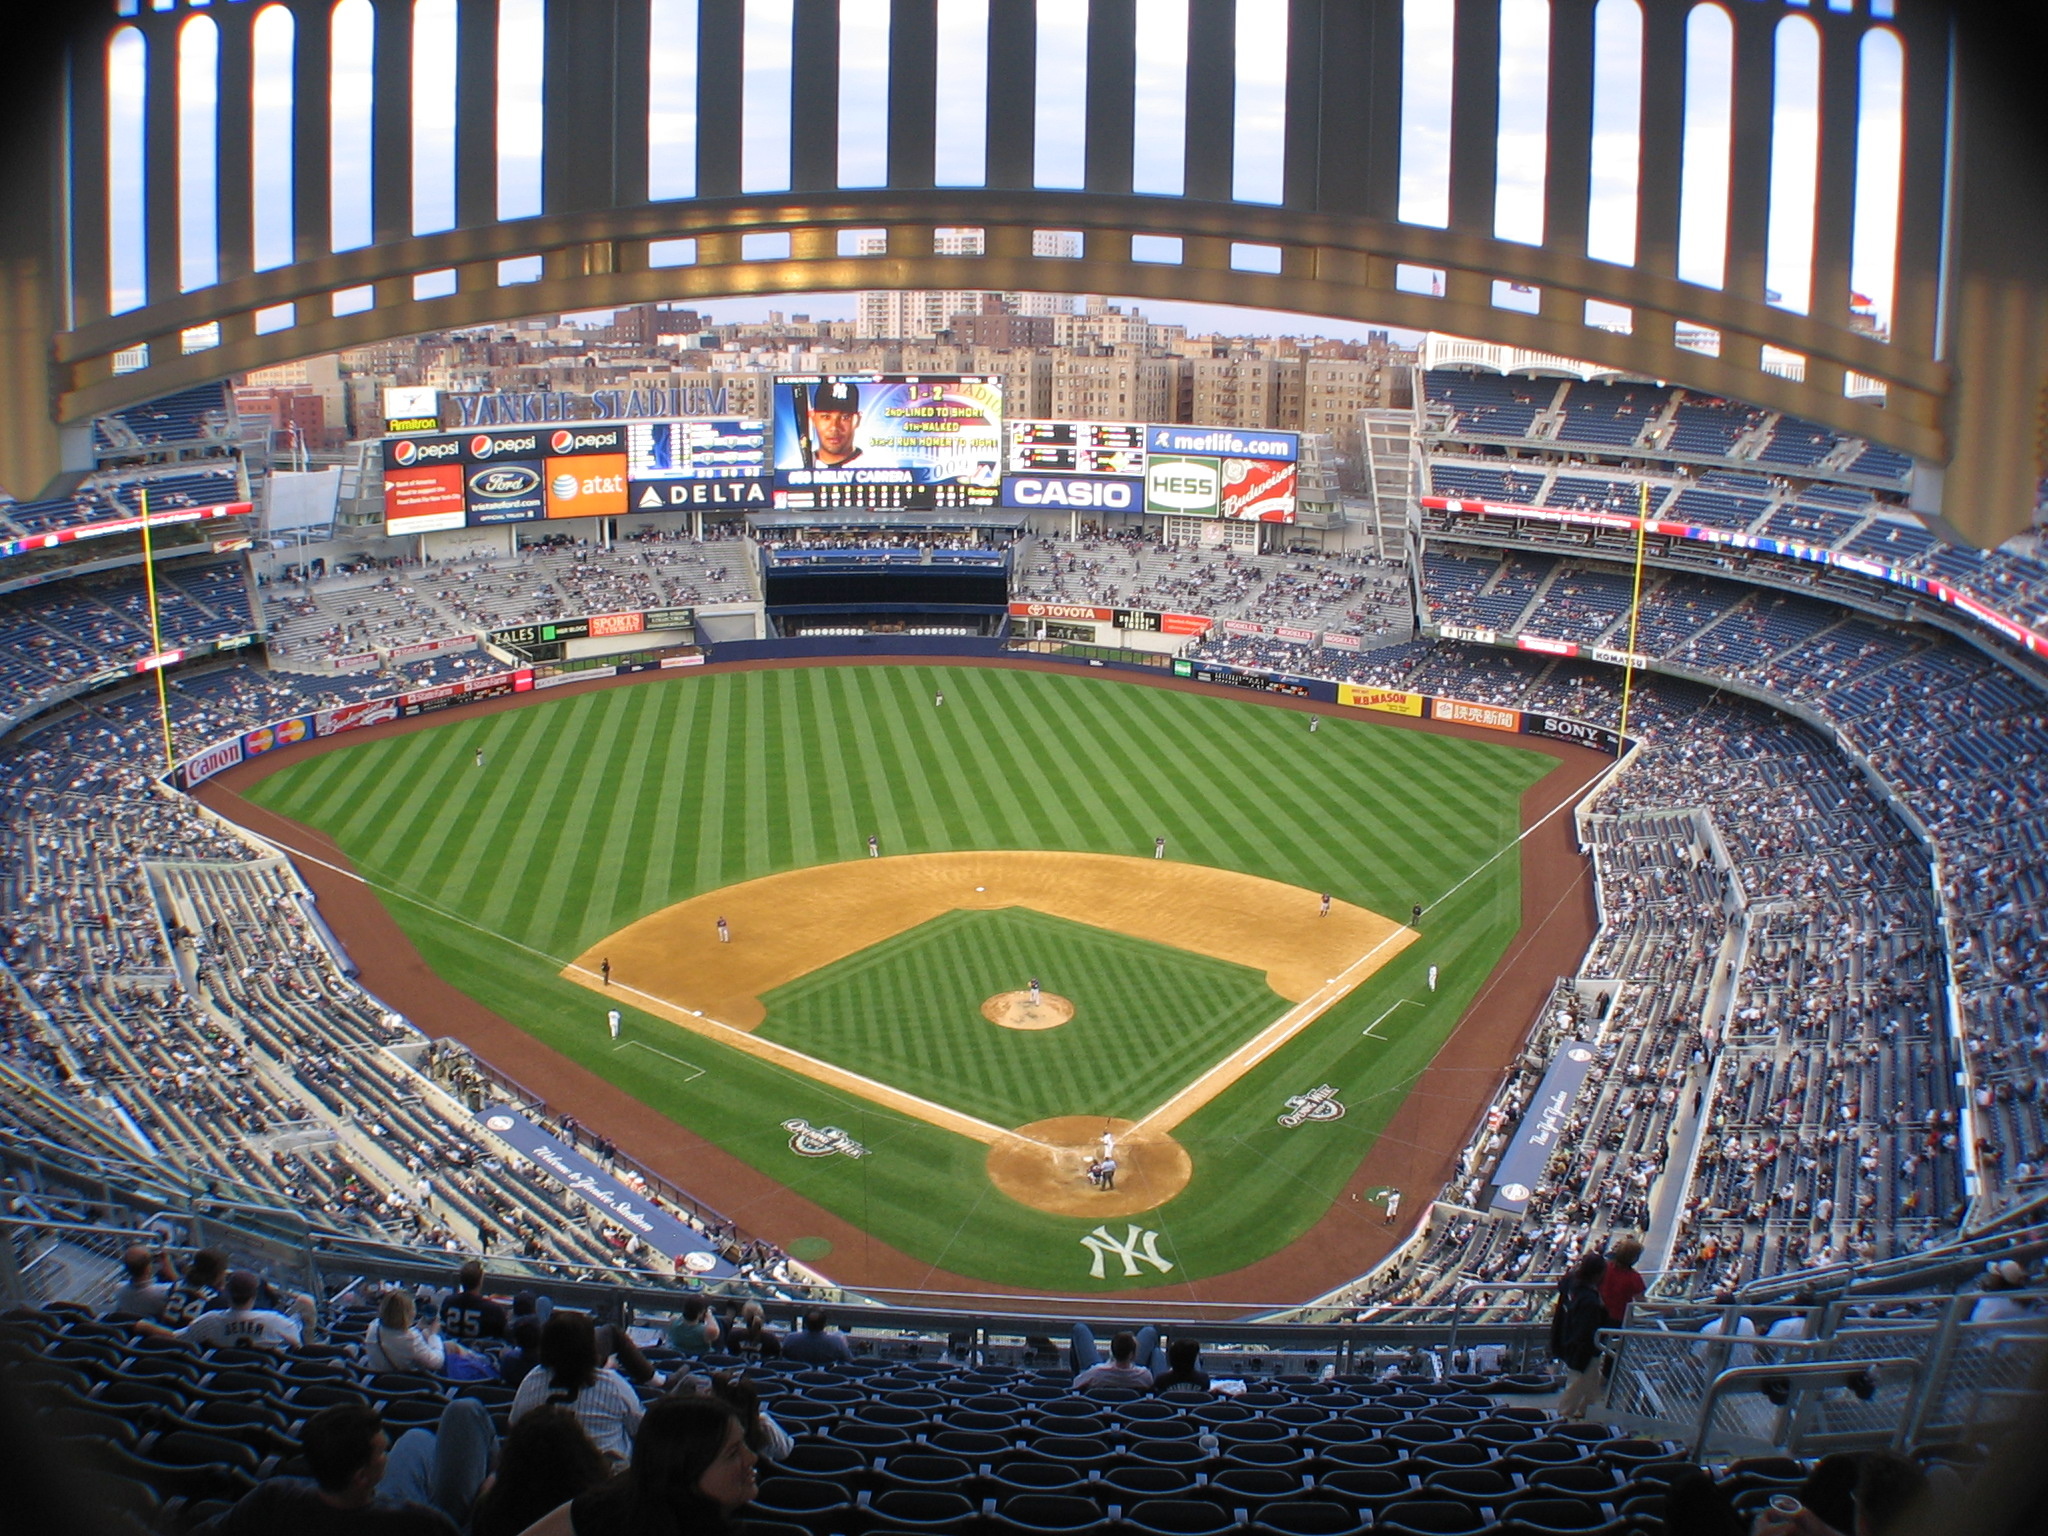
(883, 589)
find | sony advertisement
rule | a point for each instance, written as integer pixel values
(887, 440)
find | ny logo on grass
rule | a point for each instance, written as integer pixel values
(1137, 1243)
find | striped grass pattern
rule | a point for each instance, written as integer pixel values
(593, 811)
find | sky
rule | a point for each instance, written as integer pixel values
(1259, 124)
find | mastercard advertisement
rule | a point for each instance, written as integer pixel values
(588, 485)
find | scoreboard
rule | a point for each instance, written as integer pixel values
(1077, 448)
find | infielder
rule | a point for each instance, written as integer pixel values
(1393, 1205)
(604, 969)
(612, 1018)
(874, 846)
(724, 932)
(1432, 978)
(1324, 910)
(1034, 991)
(1158, 847)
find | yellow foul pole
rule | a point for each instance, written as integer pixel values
(156, 635)
(1635, 606)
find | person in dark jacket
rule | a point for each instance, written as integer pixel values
(1574, 1335)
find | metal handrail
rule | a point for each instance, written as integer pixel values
(1809, 1374)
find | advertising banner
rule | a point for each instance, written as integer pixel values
(495, 447)
(1619, 658)
(1336, 642)
(1060, 611)
(1258, 490)
(1077, 448)
(1184, 487)
(1546, 646)
(504, 493)
(743, 494)
(1242, 627)
(687, 1249)
(1137, 619)
(593, 485)
(1224, 442)
(51, 540)
(681, 661)
(1459, 632)
(412, 408)
(713, 449)
(670, 618)
(617, 623)
(1388, 701)
(1103, 493)
(1491, 716)
(220, 755)
(349, 717)
(279, 733)
(432, 647)
(1256, 682)
(1184, 624)
(1577, 732)
(1294, 636)
(1542, 1128)
(875, 439)
(601, 438)
(426, 499)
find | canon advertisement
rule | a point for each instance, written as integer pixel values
(887, 440)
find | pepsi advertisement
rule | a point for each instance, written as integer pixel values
(887, 440)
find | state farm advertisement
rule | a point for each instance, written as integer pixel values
(1491, 716)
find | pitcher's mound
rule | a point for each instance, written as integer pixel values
(1049, 1171)
(1015, 1010)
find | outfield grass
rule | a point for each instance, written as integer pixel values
(1147, 1018)
(594, 811)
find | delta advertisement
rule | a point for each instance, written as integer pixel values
(887, 440)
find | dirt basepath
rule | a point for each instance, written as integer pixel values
(1416, 1153)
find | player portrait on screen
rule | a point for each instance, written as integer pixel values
(835, 418)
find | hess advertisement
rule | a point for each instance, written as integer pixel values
(886, 440)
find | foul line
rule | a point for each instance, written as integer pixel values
(888, 1096)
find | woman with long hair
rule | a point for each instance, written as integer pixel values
(691, 1472)
(571, 1375)
(1574, 1335)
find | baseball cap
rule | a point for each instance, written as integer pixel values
(835, 395)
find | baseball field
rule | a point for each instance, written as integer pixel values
(1009, 971)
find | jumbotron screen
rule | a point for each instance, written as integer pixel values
(887, 440)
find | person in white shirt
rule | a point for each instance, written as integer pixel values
(569, 1373)
(241, 1324)
(1995, 1306)
(1718, 1325)
(395, 1343)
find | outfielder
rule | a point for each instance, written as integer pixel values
(612, 1018)
(874, 846)
(1158, 847)
(1432, 978)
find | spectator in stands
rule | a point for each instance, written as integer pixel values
(241, 1323)
(1996, 1306)
(1184, 1367)
(817, 1343)
(547, 1461)
(395, 1342)
(1121, 1369)
(765, 1438)
(1574, 1335)
(524, 1333)
(469, 1313)
(197, 1292)
(569, 1374)
(1736, 1326)
(361, 1483)
(1890, 1489)
(753, 1337)
(696, 1331)
(1696, 1505)
(691, 1470)
(1620, 1284)
(146, 1291)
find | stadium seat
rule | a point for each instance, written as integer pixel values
(1366, 1488)
(922, 1472)
(1369, 1454)
(1448, 1454)
(1023, 1476)
(72, 1423)
(869, 1438)
(1180, 1517)
(1250, 1487)
(820, 1507)
(1084, 1454)
(1488, 1484)
(1072, 1424)
(1589, 1479)
(812, 1458)
(1044, 1514)
(1306, 1517)
(920, 1509)
(1431, 1517)
(1132, 1482)
(1556, 1517)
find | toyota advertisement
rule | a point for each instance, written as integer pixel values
(887, 440)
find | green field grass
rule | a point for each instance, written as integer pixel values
(596, 810)
(908, 1012)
